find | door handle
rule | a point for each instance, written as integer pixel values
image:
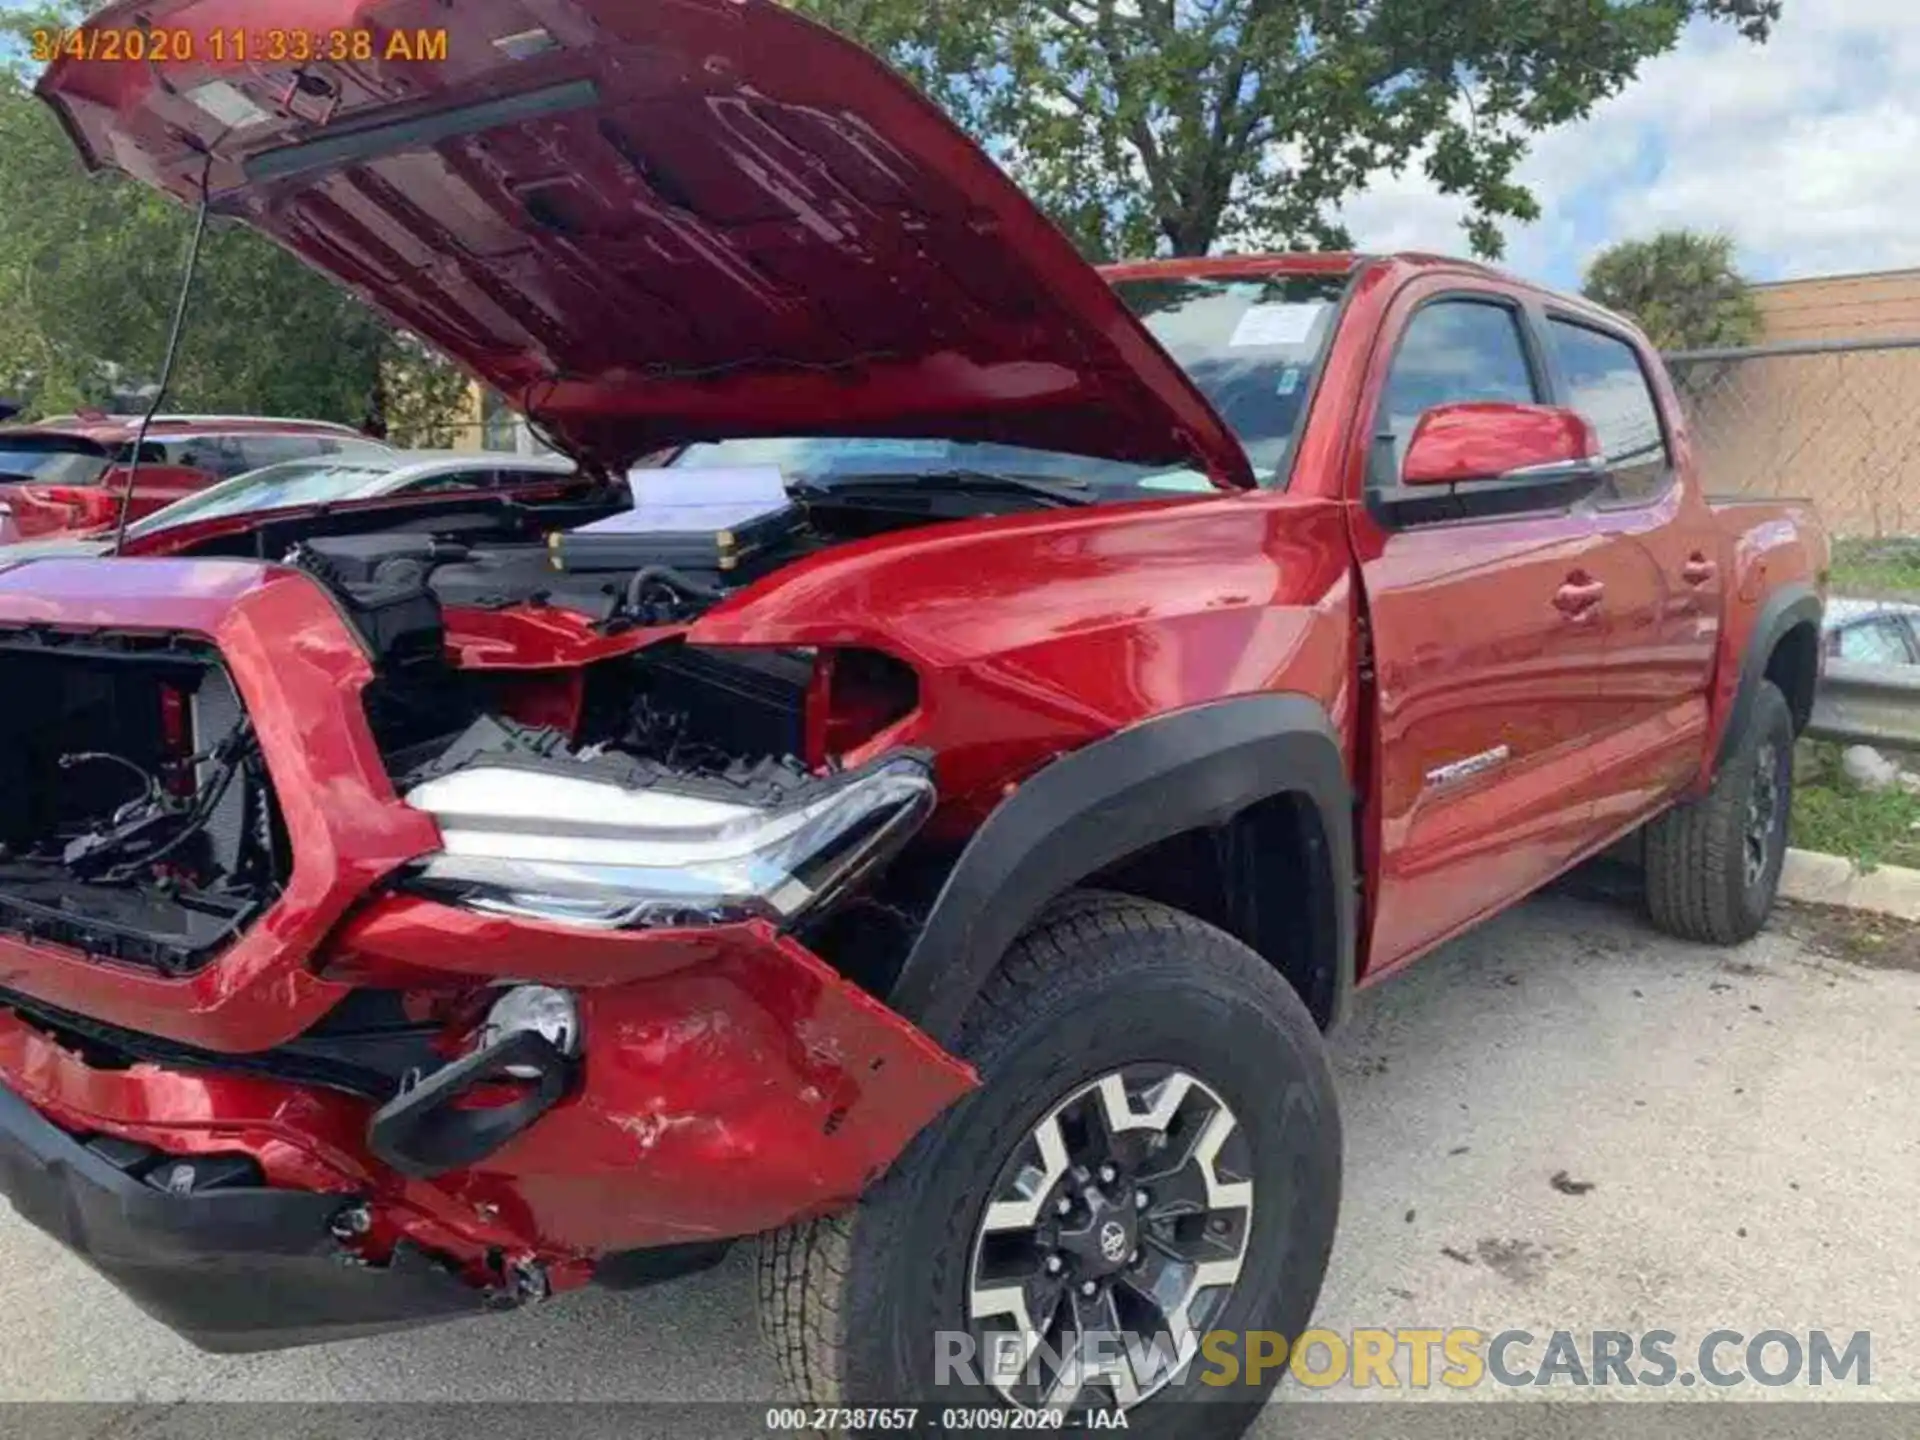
(1698, 570)
(1578, 595)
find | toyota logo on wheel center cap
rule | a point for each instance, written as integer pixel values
(1113, 1240)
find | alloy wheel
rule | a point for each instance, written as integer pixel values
(1112, 1238)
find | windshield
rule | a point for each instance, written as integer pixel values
(275, 487)
(50, 460)
(1253, 347)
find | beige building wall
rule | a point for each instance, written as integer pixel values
(1841, 429)
(1842, 307)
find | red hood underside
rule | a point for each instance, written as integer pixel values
(650, 221)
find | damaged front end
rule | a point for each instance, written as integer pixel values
(316, 948)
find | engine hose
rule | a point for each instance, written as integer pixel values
(673, 579)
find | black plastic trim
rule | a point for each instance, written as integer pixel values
(1795, 604)
(1560, 488)
(1117, 796)
(422, 1132)
(232, 1269)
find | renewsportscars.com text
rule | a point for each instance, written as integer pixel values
(1457, 1358)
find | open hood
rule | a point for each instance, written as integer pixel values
(644, 222)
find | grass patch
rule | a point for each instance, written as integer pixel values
(1836, 817)
(1877, 569)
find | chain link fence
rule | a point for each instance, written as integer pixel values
(1835, 421)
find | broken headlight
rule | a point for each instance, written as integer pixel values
(592, 852)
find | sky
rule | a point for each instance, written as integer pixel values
(1805, 150)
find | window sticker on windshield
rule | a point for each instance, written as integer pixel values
(1283, 324)
(1289, 381)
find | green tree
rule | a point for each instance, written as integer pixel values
(1682, 287)
(1178, 125)
(90, 268)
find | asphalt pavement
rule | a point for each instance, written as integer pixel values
(1562, 1122)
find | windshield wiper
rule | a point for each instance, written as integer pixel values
(968, 482)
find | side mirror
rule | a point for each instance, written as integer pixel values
(1473, 444)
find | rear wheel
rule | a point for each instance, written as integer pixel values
(1154, 1153)
(1713, 865)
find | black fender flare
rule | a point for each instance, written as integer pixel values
(1181, 771)
(1794, 604)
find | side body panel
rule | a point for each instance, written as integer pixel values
(1569, 735)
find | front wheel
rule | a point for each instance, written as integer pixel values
(1154, 1154)
(1713, 865)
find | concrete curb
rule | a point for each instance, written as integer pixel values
(1816, 879)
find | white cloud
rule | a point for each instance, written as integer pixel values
(1806, 150)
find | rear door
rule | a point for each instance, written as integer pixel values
(1485, 644)
(1660, 565)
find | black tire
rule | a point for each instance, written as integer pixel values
(1701, 880)
(850, 1303)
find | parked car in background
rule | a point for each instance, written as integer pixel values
(342, 482)
(1873, 632)
(67, 475)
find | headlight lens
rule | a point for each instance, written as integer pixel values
(591, 852)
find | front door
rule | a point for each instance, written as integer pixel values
(1487, 637)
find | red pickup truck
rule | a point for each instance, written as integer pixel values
(951, 874)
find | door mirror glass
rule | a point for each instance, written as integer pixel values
(1481, 442)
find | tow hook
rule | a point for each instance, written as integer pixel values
(425, 1130)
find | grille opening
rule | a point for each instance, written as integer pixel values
(139, 823)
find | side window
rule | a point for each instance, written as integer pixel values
(218, 455)
(257, 451)
(1606, 384)
(1874, 642)
(1454, 352)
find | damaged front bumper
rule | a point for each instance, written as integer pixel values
(232, 1267)
(727, 1080)
(730, 1082)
